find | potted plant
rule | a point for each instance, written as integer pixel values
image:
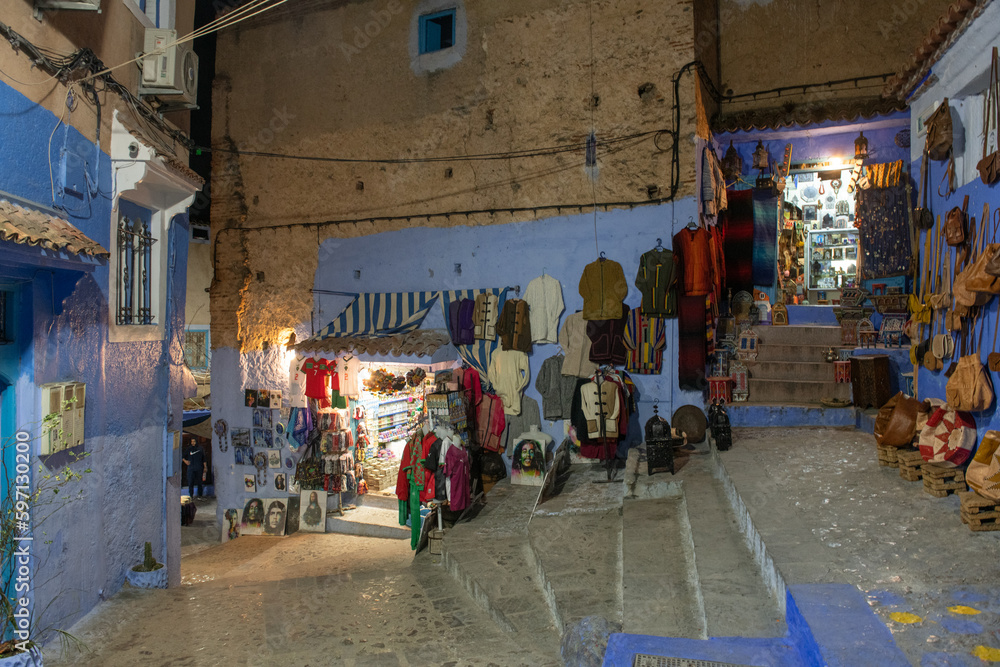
(27, 500)
(149, 573)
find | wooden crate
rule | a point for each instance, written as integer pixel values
(887, 456)
(941, 482)
(910, 465)
(980, 514)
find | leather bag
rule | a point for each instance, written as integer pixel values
(922, 217)
(981, 280)
(969, 388)
(964, 295)
(989, 165)
(939, 132)
(948, 437)
(983, 474)
(955, 223)
(896, 423)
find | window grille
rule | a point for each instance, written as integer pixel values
(135, 268)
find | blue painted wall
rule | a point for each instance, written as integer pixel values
(63, 336)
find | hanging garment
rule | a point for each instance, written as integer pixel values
(694, 253)
(657, 280)
(737, 249)
(457, 467)
(576, 347)
(296, 384)
(713, 184)
(432, 464)
(603, 289)
(470, 382)
(318, 372)
(509, 375)
(411, 487)
(484, 316)
(349, 367)
(490, 422)
(691, 343)
(645, 339)
(607, 344)
(766, 214)
(517, 424)
(544, 298)
(556, 389)
(514, 326)
(460, 321)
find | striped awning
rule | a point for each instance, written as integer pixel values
(479, 352)
(30, 227)
(384, 314)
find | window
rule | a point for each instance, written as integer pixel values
(64, 404)
(136, 269)
(196, 349)
(200, 233)
(437, 31)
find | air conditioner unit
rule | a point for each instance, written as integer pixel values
(89, 5)
(169, 72)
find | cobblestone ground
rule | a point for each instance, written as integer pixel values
(307, 599)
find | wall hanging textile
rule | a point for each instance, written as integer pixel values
(737, 222)
(692, 349)
(882, 216)
(766, 211)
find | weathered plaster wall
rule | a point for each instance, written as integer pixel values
(199, 277)
(328, 88)
(63, 336)
(775, 43)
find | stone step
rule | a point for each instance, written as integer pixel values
(795, 335)
(575, 538)
(816, 371)
(755, 414)
(737, 600)
(796, 392)
(792, 352)
(368, 522)
(658, 565)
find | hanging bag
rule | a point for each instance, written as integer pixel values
(948, 437)
(964, 295)
(983, 474)
(970, 389)
(955, 223)
(922, 217)
(981, 280)
(310, 469)
(896, 423)
(993, 360)
(939, 132)
(989, 165)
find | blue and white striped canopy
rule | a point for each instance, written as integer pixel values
(383, 314)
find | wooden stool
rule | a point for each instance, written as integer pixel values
(842, 372)
(870, 383)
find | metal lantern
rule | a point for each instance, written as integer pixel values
(732, 164)
(718, 421)
(659, 446)
(861, 147)
(760, 157)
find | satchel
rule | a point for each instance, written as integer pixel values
(989, 165)
(980, 279)
(896, 423)
(965, 296)
(954, 224)
(939, 132)
(969, 388)
(310, 469)
(922, 217)
(948, 437)
(983, 475)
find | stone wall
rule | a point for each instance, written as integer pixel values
(768, 44)
(342, 81)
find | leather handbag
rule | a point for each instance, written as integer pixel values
(993, 358)
(896, 423)
(981, 280)
(964, 295)
(969, 388)
(948, 437)
(955, 222)
(989, 165)
(939, 132)
(983, 474)
(922, 217)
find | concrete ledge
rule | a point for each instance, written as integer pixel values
(765, 414)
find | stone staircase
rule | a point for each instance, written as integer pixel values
(791, 369)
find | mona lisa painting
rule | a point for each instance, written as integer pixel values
(312, 511)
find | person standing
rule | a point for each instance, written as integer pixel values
(194, 458)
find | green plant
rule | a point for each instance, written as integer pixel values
(148, 562)
(26, 502)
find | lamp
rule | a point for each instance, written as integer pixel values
(860, 147)
(732, 164)
(760, 157)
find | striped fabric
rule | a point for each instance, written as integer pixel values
(382, 314)
(478, 354)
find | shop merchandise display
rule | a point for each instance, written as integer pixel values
(556, 389)
(657, 280)
(603, 289)
(514, 326)
(645, 338)
(576, 347)
(607, 345)
(484, 316)
(509, 374)
(517, 424)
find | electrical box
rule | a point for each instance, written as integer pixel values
(169, 70)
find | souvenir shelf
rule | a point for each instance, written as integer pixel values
(450, 408)
(831, 259)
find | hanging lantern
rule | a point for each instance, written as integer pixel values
(861, 147)
(760, 158)
(732, 164)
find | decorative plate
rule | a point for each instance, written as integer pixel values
(810, 194)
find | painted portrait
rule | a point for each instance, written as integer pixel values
(231, 524)
(312, 513)
(253, 517)
(274, 516)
